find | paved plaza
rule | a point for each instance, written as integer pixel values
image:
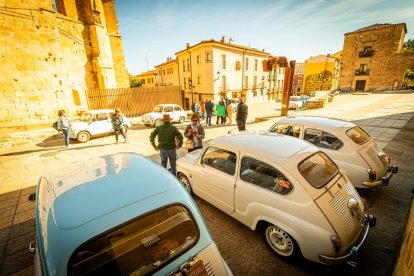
(385, 116)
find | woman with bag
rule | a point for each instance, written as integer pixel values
(194, 133)
(64, 125)
(118, 126)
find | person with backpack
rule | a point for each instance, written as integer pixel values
(118, 126)
(63, 125)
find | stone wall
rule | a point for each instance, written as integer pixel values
(49, 60)
(387, 64)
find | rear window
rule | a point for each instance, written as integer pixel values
(295, 99)
(358, 135)
(318, 169)
(157, 108)
(139, 247)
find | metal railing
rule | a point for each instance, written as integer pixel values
(362, 72)
(366, 53)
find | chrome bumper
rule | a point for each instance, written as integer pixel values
(385, 180)
(369, 222)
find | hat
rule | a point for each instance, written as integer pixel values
(166, 118)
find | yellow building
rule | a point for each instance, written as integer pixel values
(167, 73)
(321, 73)
(148, 79)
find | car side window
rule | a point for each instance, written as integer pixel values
(291, 130)
(177, 108)
(220, 159)
(264, 175)
(168, 109)
(101, 116)
(323, 139)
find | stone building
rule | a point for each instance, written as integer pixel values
(52, 51)
(276, 66)
(167, 73)
(373, 59)
(298, 78)
(148, 79)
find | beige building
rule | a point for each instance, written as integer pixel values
(148, 79)
(276, 78)
(373, 58)
(298, 78)
(212, 68)
(52, 52)
(167, 73)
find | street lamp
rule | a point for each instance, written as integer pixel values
(218, 76)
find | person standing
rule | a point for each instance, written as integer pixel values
(119, 126)
(220, 113)
(202, 109)
(209, 111)
(167, 134)
(241, 114)
(195, 132)
(229, 113)
(64, 125)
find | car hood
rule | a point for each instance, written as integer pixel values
(189, 158)
(153, 114)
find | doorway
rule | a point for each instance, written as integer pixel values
(360, 85)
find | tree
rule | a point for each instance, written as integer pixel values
(134, 81)
(408, 46)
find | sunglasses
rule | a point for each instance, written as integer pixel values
(194, 120)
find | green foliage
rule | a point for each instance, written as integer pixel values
(409, 74)
(408, 46)
(134, 81)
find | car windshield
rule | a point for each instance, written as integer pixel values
(86, 117)
(140, 247)
(318, 169)
(295, 99)
(157, 108)
(358, 135)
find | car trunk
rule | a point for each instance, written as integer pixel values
(333, 202)
(370, 153)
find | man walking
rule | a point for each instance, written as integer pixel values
(167, 145)
(209, 111)
(241, 115)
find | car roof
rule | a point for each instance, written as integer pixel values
(167, 105)
(324, 122)
(270, 145)
(100, 110)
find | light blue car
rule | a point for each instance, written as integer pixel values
(120, 215)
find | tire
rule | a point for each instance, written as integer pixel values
(280, 242)
(83, 137)
(181, 120)
(147, 124)
(157, 122)
(186, 183)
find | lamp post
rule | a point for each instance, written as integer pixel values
(218, 76)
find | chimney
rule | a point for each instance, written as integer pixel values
(223, 40)
(187, 45)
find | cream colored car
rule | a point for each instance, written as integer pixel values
(290, 190)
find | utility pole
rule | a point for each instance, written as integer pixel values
(289, 71)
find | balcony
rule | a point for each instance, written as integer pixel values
(362, 72)
(366, 53)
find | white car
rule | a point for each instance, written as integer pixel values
(295, 102)
(93, 123)
(352, 149)
(175, 111)
(292, 191)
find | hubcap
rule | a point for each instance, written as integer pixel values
(186, 183)
(279, 240)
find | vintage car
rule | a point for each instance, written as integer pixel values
(291, 191)
(154, 117)
(94, 123)
(352, 149)
(295, 102)
(120, 214)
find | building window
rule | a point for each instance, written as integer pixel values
(188, 64)
(223, 61)
(184, 65)
(208, 57)
(185, 83)
(254, 82)
(247, 64)
(238, 66)
(199, 79)
(362, 68)
(163, 71)
(246, 82)
(224, 85)
(58, 6)
(198, 59)
(255, 65)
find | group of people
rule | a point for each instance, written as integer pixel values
(118, 125)
(170, 138)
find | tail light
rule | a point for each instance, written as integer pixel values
(337, 243)
(372, 174)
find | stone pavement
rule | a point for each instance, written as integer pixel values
(382, 115)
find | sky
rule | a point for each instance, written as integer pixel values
(153, 30)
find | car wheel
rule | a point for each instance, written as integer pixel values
(182, 119)
(157, 122)
(186, 182)
(83, 137)
(280, 242)
(147, 124)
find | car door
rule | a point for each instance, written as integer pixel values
(169, 110)
(215, 177)
(101, 123)
(177, 113)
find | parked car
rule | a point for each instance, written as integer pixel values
(353, 150)
(295, 102)
(120, 215)
(154, 117)
(291, 191)
(304, 98)
(94, 123)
